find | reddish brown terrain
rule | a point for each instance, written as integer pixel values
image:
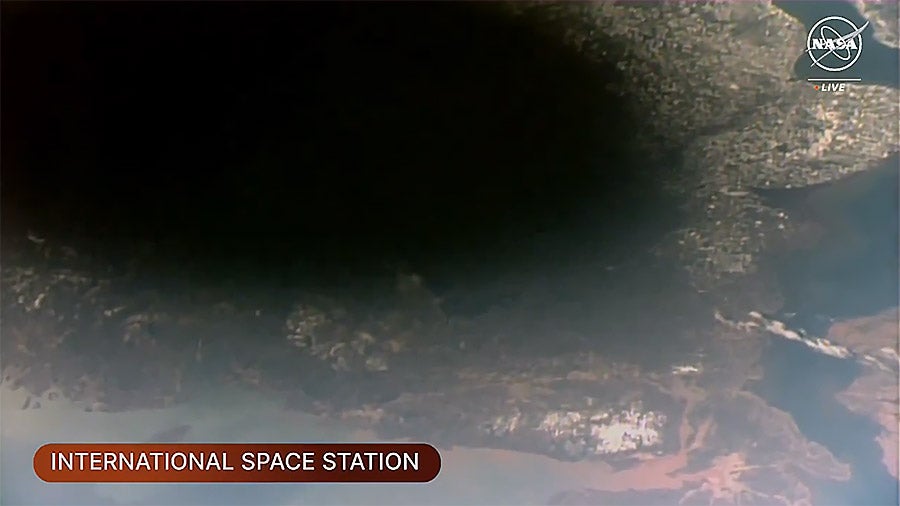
(875, 392)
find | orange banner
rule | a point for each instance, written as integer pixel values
(205, 463)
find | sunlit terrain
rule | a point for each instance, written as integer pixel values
(600, 253)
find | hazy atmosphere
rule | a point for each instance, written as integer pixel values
(595, 253)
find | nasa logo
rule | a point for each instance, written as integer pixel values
(834, 43)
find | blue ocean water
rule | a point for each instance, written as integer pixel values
(805, 384)
(851, 272)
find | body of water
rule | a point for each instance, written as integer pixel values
(805, 384)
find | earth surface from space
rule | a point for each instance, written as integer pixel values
(576, 358)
